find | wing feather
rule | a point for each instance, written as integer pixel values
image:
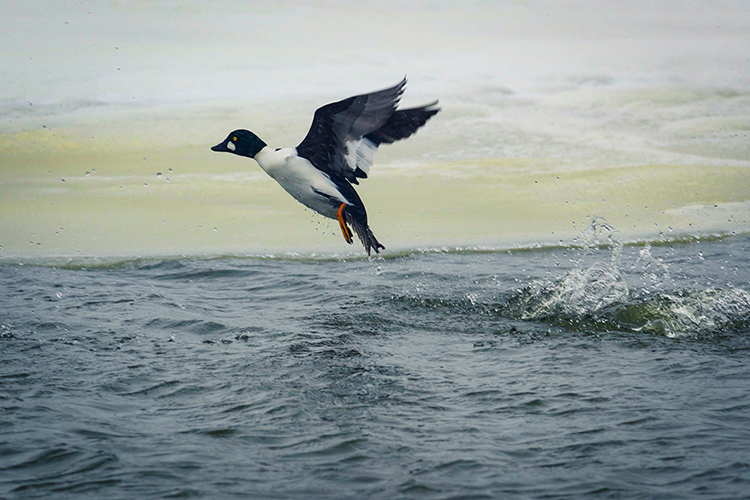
(344, 135)
(337, 128)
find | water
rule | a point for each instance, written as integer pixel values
(598, 371)
(562, 310)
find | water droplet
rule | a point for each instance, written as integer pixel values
(88, 174)
(170, 170)
(158, 174)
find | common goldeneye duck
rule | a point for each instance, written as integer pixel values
(337, 150)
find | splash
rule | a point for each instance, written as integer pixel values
(599, 297)
(582, 291)
(576, 295)
(702, 312)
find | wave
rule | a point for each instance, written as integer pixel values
(599, 299)
(612, 294)
(598, 296)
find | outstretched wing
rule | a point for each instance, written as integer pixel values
(337, 130)
(401, 124)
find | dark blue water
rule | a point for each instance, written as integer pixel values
(595, 372)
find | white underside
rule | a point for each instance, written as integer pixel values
(300, 179)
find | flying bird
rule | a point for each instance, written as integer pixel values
(336, 152)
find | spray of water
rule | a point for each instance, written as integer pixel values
(599, 296)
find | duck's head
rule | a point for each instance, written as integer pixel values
(241, 142)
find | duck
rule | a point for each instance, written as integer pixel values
(335, 154)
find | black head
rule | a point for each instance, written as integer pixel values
(241, 142)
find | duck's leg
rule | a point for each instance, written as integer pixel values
(344, 230)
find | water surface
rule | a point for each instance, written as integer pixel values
(564, 373)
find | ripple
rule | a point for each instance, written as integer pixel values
(63, 468)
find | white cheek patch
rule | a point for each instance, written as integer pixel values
(231, 146)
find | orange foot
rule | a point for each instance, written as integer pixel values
(345, 230)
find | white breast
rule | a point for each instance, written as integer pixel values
(271, 159)
(300, 179)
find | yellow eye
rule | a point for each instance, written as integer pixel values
(234, 139)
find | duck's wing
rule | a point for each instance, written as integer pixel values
(333, 144)
(401, 124)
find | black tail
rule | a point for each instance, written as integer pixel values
(356, 217)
